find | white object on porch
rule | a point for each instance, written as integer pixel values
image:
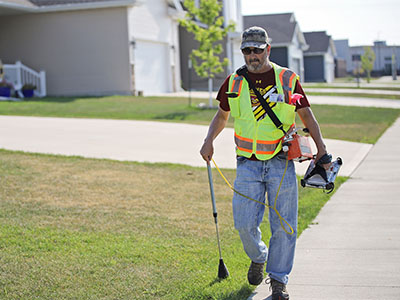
(19, 74)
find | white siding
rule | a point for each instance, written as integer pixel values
(156, 52)
(232, 11)
(238, 59)
(329, 66)
(296, 57)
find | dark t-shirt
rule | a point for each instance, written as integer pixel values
(265, 83)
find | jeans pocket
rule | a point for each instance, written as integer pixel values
(241, 159)
(281, 156)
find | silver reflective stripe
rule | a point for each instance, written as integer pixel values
(286, 79)
(266, 147)
(243, 144)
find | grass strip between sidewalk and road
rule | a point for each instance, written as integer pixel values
(353, 94)
(76, 228)
(395, 87)
(356, 124)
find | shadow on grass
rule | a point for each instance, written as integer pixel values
(52, 99)
(243, 293)
(174, 116)
(60, 99)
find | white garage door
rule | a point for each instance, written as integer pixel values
(152, 68)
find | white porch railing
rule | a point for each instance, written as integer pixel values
(19, 74)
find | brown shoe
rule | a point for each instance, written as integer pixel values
(279, 291)
(256, 273)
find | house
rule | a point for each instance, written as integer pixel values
(95, 47)
(387, 58)
(287, 40)
(319, 58)
(231, 11)
(342, 58)
(343, 53)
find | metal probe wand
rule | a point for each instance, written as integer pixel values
(222, 269)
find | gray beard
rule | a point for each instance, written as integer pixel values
(254, 68)
(260, 64)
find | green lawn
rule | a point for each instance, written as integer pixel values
(359, 124)
(75, 228)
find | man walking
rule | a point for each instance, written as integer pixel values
(261, 163)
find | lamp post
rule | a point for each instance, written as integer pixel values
(394, 64)
(190, 81)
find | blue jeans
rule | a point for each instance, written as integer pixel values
(254, 179)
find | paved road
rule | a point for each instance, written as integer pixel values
(334, 100)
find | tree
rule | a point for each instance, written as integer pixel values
(367, 61)
(357, 69)
(206, 24)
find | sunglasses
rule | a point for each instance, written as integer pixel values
(247, 51)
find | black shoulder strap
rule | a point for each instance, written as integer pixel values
(242, 71)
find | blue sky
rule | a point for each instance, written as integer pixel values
(360, 21)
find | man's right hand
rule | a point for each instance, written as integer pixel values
(217, 124)
(207, 150)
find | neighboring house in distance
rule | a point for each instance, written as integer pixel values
(287, 40)
(319, 59)
(231, 11)
(95, 47)
(385, 56)
(343, 53)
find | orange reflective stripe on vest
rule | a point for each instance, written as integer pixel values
(237, 85)
(287, 79)
(262, 147)
(267, 147)
(243, 143)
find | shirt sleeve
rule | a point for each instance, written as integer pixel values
(222, 97)
(303, 101)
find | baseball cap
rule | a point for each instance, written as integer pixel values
(254, 37)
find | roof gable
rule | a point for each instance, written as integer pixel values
(64, 2)
(9, 7)
(319, 41)
(280, 27)
(18, 2)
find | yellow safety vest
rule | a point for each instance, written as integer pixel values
(261, 138)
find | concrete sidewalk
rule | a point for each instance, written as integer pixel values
(333, 100)
(139, 141)
(353, 250)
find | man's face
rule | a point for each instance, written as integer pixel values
(256, 59)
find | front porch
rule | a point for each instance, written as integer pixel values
(20, 75)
